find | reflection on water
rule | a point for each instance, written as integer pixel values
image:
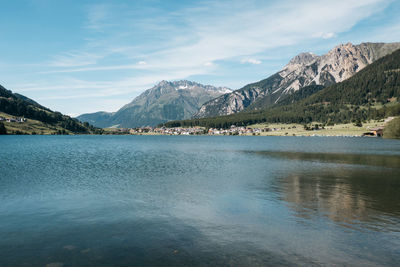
(390, 161)
(363, 198)
(366, 196)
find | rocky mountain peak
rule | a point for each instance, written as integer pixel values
(303, 59)
(342, 62)
(343, 51)
(186, 85)
(163, 83)
(166, 86)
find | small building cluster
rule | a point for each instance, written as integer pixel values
(15, 119)
(233, 130)
(166, 131)
(378, 132)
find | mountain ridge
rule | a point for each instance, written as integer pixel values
(167, 100)
(304, 69)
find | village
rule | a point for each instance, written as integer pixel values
(233, 130)
(372, 129)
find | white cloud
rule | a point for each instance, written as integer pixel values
(328, 35)
(142, 62)
(251, 61)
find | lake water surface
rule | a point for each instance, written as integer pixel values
(189, 201)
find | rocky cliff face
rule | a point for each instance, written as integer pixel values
(164, 102)
(305, 69)
(237, 100)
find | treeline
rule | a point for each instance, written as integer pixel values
(18, 105)
(372, 93)
(318, 113)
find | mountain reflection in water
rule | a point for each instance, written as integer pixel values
(390, 161)
(348, 195)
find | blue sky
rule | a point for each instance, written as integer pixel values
(86, 56)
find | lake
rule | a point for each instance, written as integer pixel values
(199, 200)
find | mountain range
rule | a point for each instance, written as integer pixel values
(180, 100)
(164, 102)
(371, 93)
(305, 69)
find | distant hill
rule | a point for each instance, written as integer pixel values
(100, 119)
(164, 102)
(372, 93)
(40, 118)
(305, 69)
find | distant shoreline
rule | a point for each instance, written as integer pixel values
(215, 135)
(373, 128)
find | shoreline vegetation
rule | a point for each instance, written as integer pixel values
(375, 128)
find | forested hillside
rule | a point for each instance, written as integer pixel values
(21, 106)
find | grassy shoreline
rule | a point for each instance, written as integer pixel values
(293, 129)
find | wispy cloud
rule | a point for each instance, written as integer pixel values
(328, 35)
(99, 68)
(72, 88)
(215, 31)
(74, 59)
(251, 61)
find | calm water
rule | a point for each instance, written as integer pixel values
(182, 201)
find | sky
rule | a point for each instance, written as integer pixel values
(81, 56)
